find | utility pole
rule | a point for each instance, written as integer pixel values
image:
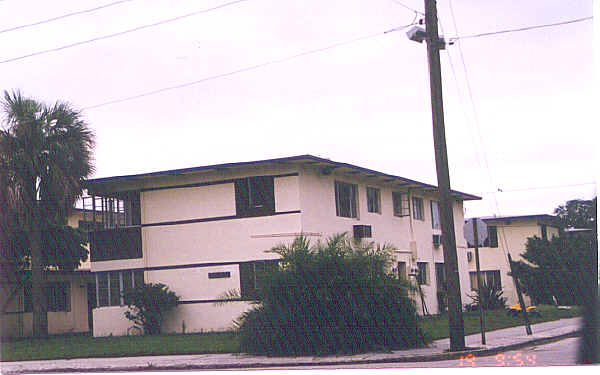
(455, 319)
(520, 295)
(481, 316)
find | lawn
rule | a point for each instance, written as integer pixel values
(82, 346)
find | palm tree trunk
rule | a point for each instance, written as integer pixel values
(40, 316)
(38, 300)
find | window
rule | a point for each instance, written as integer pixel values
(252, 275)
(345, 199)
(435, 215)
(219, 275)
(492, 240)
(440, 276)
(373, 200)
(397, 203)
(544, 231)
(255, 196)
(402, 270)
(57, 294)
(111, 285)
(489, 278)
(417, 208)
(422, 275)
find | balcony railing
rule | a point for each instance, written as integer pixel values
(116, 244)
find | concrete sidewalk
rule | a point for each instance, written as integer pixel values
(497, 341)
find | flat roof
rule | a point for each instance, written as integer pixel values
(96, 183)
(518, 217)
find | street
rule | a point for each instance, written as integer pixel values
(560, 353)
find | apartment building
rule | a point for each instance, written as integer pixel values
(70, 297)
(204, 231)
(507, 234)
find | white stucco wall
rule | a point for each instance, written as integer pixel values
(245, 239)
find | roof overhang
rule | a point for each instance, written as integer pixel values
(107, 184)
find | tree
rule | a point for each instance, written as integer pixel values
(334, 297)
(148, 304)
(563, 267)
(578, 214)
(45, 155)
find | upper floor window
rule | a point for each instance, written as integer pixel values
(417, 208)
(373, 200)
(345, 199)
(435, 215)
(492, 240)
(544, 231)
(255, 196)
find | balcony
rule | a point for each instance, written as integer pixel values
(116, 244)
(117, 233)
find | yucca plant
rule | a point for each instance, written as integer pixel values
(490, 297)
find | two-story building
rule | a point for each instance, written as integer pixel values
(204, 231)
(508, 234)
(70, 296)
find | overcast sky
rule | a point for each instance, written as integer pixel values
(529, 130)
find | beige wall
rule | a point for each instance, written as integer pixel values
(512, 238)
(15, 323)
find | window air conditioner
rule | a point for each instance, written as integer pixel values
(362, 231)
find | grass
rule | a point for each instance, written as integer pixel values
(85, 346)
(436, 327)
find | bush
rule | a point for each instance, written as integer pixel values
(336, 297)
(491, 298)
(148, 305)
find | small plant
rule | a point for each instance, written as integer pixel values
(148, 304)
(490, 297)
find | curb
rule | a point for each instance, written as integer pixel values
(414, 358)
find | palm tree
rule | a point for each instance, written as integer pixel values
(45, 154)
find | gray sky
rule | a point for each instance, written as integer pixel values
(532, 125)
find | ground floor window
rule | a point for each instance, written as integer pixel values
(57, 294)
(490, 278)
(423, 273)
(111, 285)
(252, 275)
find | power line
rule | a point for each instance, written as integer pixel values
(537, 188)
(521, 29)
(407, 7)
(249, 68)
(64, 16)
(123, 32)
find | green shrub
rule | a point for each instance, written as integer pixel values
(336, 297)
(491, 298)
(148, 304)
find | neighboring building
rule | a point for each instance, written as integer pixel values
(204, 231)
(508, 234)
(68, 293)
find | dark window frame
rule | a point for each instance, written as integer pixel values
(417, 204)
(436, 222)
(373, 200)
(544, 230)
(422, 273)
(346, 195)
(105, 294)
(488, 277)
(492, 239)
(251, 274)
(255, 196)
